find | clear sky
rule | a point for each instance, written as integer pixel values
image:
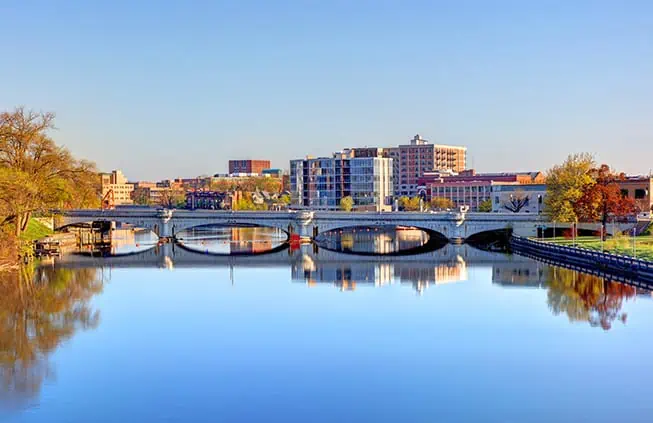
(174, 89)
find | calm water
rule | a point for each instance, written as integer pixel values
(312, 335)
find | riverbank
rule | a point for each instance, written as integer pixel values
(640, 247)
(12, 249)
(585, 258)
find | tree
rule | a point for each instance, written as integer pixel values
(603, 198)
(518, 200)
(566, 184)
(247, 203)
(142, 197)
(485, 206)
(441, 203)
(285, 199)
(37, 175)
(172, 199)
(409, 204)
(346, 203)
(223, 185)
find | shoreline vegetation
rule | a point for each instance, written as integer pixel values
(36, 175)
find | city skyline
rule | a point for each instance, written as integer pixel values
(181, 88)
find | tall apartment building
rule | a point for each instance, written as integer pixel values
(322, 182)
(117, 183)
(248, 166)
(419, 157)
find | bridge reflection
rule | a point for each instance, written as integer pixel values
(313, 266)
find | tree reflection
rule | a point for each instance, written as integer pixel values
(587, 298)
(40, 309)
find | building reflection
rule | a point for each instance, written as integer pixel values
(510, 273)
(375, 240)
(348, 276)
(126, 240)
(252, 240)
(232, 240)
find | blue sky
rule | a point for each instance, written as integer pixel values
(175, 89)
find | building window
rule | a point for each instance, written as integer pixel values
(624, 193)
(640, 194)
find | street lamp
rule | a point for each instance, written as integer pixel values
(539, 203)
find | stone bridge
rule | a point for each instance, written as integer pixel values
(452, 225)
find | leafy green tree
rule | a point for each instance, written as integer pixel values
(246, 203)
(223, 185)
(441, 203)
(142, 197)
(485, 206)
(409, 204)
(285, 199)
(172, 198)
(37, 175)
(346, 203)
(566, 184)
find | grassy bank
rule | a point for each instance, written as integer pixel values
(618, 245)
(35, 230)
(12, 249)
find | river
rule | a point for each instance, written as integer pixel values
(216, 329)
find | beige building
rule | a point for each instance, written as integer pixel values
(116, 183)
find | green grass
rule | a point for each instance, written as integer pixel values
(35, 230)
(619, 245)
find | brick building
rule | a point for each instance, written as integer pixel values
(248, 166)
(419, 157)
(639, 189)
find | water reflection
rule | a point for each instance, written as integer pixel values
(40, 309)
(315, 268)
(269, 331)
(581, 297)
(374, 240)
(122, 242)
(587, 298)
(232, 240)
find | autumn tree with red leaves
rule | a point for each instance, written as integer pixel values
(603, 198)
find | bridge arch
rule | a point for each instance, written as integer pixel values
(434, 241)
(439, 228)
(67, 222)
(490, 238)
(178, 226)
